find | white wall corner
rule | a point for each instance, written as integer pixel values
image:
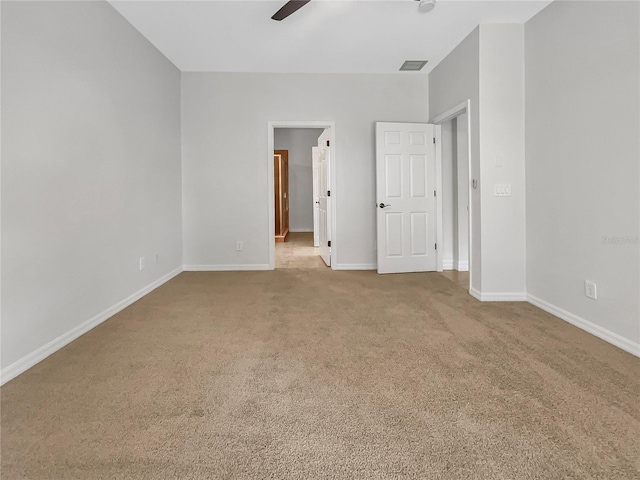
(28, 361)
(498, 296)
(475, 293)
(463, 266)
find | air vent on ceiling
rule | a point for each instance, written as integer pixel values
(413, 65)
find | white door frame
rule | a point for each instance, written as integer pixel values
(271, 126)
(456, 111)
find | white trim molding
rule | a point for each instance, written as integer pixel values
(498, 296)
(227, 268)
(475, 293)
(355, 266)
(590, 327)
(453, 112)
(450, 264)
(28, 361)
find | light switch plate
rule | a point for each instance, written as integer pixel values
(502, 190)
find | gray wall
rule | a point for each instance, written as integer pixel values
(583, 151)
(224, 132)
(488, 69)
(298, 142)
(90, 167)
(502, 160)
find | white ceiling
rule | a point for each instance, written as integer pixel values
(325, 36)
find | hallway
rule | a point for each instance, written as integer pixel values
(298, 252)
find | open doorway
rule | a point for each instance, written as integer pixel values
(300, 197)
(455, 204)
(295, 197)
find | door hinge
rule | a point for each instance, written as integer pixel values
(329, 243)
(328, 143)
(434, 140)
(436, 246)
(328, 193)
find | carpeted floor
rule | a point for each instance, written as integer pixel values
(317, 374)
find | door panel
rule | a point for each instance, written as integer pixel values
(324, 199)
(285, 191)
(394, 228)
(406, 205)
(418, 176)
(315, 154)
(419, 233)
(393, 171)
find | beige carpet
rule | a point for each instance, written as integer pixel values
(318, 374)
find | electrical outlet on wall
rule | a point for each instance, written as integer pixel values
(142, 263)
(239, 246)
(590, 289)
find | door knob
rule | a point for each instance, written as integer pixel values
(382, 205)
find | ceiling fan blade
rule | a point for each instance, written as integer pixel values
(288, 8)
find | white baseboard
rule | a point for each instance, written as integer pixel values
(475, 293)
(600, 332)
(498, 296)
(450, 264)
(226, 268)
(355, 266)
(28, 361)
(300, 230)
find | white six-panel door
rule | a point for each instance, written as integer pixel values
(324, 198)
(315, 157)
(406, 201)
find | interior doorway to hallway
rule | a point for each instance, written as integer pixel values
(301, 204)
(456, 188)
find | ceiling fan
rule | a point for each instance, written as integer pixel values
(293, 6)
(288, 8)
